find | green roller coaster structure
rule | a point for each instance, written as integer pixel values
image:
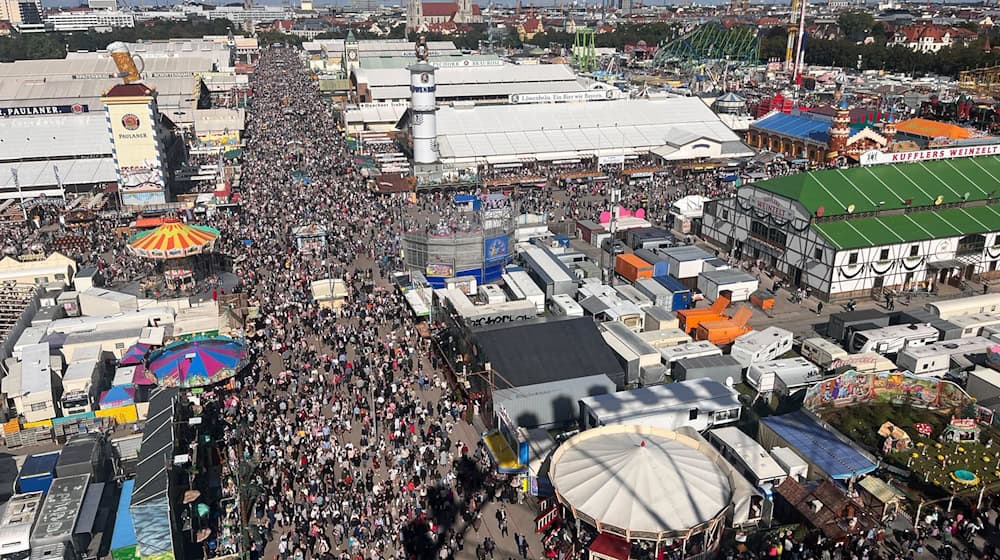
(739, 44)
(584, 51)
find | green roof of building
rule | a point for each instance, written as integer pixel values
(906, 228)
(888, 187)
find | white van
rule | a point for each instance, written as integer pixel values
(890, 340)
(822, 352)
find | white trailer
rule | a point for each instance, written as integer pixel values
(761, 346)
(16, 524)
(749, 457)
(892, 339)
(694, 349)
(823, 352)
(687, 261)
(796, 467)
(740, 283)
(973, 325)
(784, 376)
(564, 305)
(934, 360)
(36, 398)
(521, 284)
(491, 294)
(948, 309)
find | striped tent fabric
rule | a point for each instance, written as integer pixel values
(173, 240)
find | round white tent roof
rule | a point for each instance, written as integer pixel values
(639, 482)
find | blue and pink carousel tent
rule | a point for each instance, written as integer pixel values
(197, 362)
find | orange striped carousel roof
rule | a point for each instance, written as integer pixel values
(173, 240)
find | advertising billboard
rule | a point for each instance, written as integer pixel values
(496, 248)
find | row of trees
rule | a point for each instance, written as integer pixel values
(54, 45)
(876, 56)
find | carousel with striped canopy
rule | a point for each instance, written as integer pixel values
(178, 245)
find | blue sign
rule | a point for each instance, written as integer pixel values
(496, 248)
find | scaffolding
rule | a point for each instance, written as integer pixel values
(981, 81)
(584, 50)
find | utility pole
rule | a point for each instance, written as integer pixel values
(616, 195)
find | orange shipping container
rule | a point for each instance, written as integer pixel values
(727, 330)
(689, 319)
(632, 268)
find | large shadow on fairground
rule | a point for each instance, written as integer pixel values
(448, 513)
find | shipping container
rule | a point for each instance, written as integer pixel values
(740, 284)
(660, 265)
(37, 472)
(86, 454)
(658, 318)
(657, 294)
(632, 352)
(724, 369)
(681, 293)
(523, 287)
(725, 331)
(686, 261)
(839, 323)
(689, 319)
(548, 272)
(60, 511)
(586, 228)
(631, 267)
(761, 346)
(640, 238)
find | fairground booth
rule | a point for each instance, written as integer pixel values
(178, 245)
(642, 492)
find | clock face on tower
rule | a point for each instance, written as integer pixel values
(425, 77)
(352, 55)
(418, 119)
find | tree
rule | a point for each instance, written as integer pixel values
(852, 23)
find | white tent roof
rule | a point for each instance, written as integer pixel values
(639, 481)
(581, 129)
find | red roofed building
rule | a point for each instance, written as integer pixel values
(529, 28)
(421, 15)
(931, 38)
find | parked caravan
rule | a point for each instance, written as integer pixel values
(694, 349)
(655, 292)
(664, 338)
(659, 262)
(761, 346)
(822, 352)
(794, 374)
(491, 294)
(947, 309)
(632, 352)
(935, 359)
(681, 293)
(973, 325)
(687, 261)
(565, 306)
(890, 340)
(725, 331)
(748, 456)
(657, 318)
(737, 283)
(631, 267)
(35, 390)
(690, 318)
(18, 520)
(992, 333)
(839, 323)
(640, 238)
(947, 330)
(149, 316)
(523, 287)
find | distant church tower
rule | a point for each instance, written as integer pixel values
(840, 132)
(414, 15)
(351, 54)
(464, 13)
